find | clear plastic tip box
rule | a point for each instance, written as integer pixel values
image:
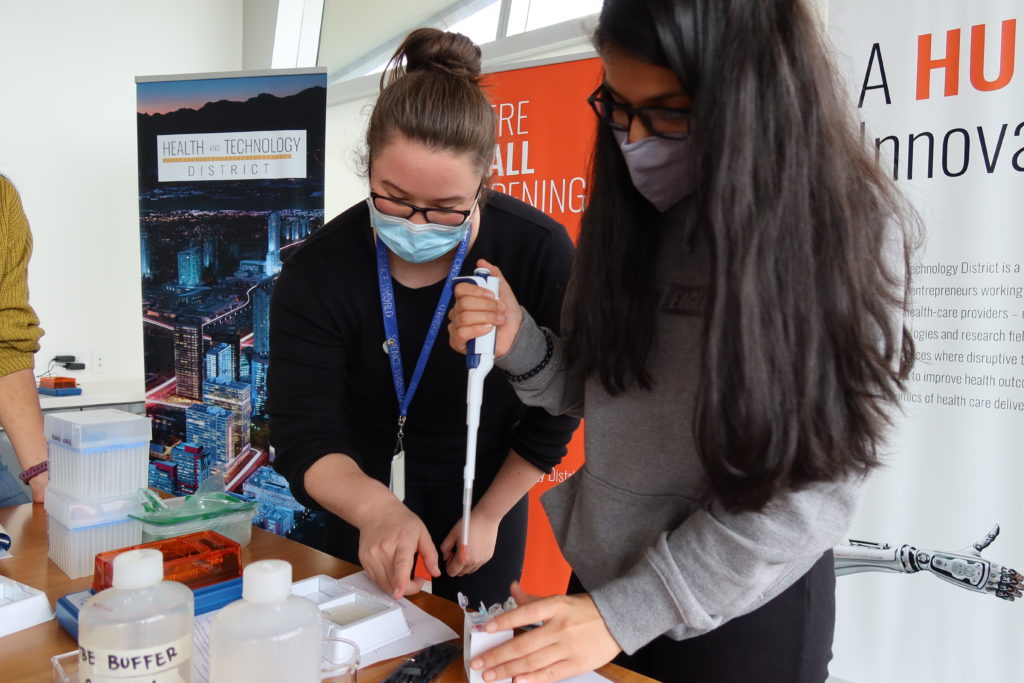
(220, 512)
(78, 530)
(96, 454)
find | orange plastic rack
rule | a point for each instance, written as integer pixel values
(196, 560)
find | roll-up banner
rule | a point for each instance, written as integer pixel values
(545, 142)
(231, 178)
(939, 88)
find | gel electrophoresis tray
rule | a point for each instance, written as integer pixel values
(369, 620)
(21, 606)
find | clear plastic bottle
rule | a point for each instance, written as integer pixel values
(269, 635)
(139, 629)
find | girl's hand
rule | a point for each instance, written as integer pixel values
(572, 640)
(388, 547)
(483, 532)
(476, 312)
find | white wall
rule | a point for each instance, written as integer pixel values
(346, 131)
(259, 25)
(67, 138)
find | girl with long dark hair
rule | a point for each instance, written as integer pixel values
(732, 334)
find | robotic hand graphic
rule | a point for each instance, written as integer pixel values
(965, 568)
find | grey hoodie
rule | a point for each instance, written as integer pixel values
(638, 523)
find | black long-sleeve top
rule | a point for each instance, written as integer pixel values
(330, 388)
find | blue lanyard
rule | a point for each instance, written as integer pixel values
(387, 306)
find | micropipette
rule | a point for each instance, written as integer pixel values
(479, 361)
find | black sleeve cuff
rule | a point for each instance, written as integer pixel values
(543, 439)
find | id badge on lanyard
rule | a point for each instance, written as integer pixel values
(387, 305)
(397, 482)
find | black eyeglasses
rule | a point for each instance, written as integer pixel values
(662, 122)
(400, 209)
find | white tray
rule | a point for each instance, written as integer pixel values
(21, 606)
(369, 620)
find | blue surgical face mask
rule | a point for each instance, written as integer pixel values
(416, 242)
(663, 170)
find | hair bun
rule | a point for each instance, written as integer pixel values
(430, 49)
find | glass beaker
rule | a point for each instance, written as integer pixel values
(339, 660)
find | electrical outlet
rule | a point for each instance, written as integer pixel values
(58, 368)
(99, 362)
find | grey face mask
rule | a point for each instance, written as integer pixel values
(663, 170)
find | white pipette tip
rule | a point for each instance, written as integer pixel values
(479, 360)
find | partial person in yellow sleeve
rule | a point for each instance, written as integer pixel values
(20, 415)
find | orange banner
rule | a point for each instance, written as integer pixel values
(545, 142)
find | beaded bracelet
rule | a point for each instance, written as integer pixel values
(548, 353)
(38, 468)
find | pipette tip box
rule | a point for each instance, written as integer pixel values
(97, 454)
(77, 530)
(235, 524)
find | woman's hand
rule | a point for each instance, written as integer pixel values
(476, 312)
(388, 545)
(483, 532)
(572, 640)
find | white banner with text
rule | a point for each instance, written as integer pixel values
(227, 156)
(938, 86)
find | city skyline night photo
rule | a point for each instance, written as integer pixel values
(211, 250)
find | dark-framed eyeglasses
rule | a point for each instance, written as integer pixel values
(402, 209)
(663, 122)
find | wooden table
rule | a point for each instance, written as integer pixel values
(25, 655)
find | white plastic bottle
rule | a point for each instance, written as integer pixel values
(269, 635)
(141, 628)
